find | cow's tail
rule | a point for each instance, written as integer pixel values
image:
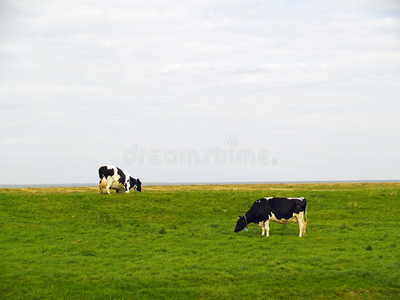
(305, 214)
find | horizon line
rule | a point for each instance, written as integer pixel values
(155, 183)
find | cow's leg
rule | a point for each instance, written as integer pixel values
(304, 222)
(109, 182)
(101, 190)
(262, 227)
(302, 225)
(266, 225)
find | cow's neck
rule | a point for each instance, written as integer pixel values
(252, 217)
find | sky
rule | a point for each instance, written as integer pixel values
(199, 91)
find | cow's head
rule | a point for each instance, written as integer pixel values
(136, 184)
(241, 223)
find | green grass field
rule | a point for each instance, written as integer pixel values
(177, 242)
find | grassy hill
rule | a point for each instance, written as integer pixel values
(177, 242)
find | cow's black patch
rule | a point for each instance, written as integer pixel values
(283, 208)
(105, 172)
(122, 177)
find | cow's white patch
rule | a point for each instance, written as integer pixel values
(296, 218)
(103, 183)
(293, 219)
(127, 182)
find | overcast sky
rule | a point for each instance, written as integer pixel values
(205, 90)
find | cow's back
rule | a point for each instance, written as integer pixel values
(284, 208)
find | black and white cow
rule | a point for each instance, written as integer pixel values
(280, 210)
(116, 179)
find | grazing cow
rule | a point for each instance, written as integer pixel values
(116, 179)
(280, 210)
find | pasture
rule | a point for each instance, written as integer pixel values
(177, 242)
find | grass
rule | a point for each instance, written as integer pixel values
(177, 242)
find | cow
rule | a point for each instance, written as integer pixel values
(116, 179)
(280, 210)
